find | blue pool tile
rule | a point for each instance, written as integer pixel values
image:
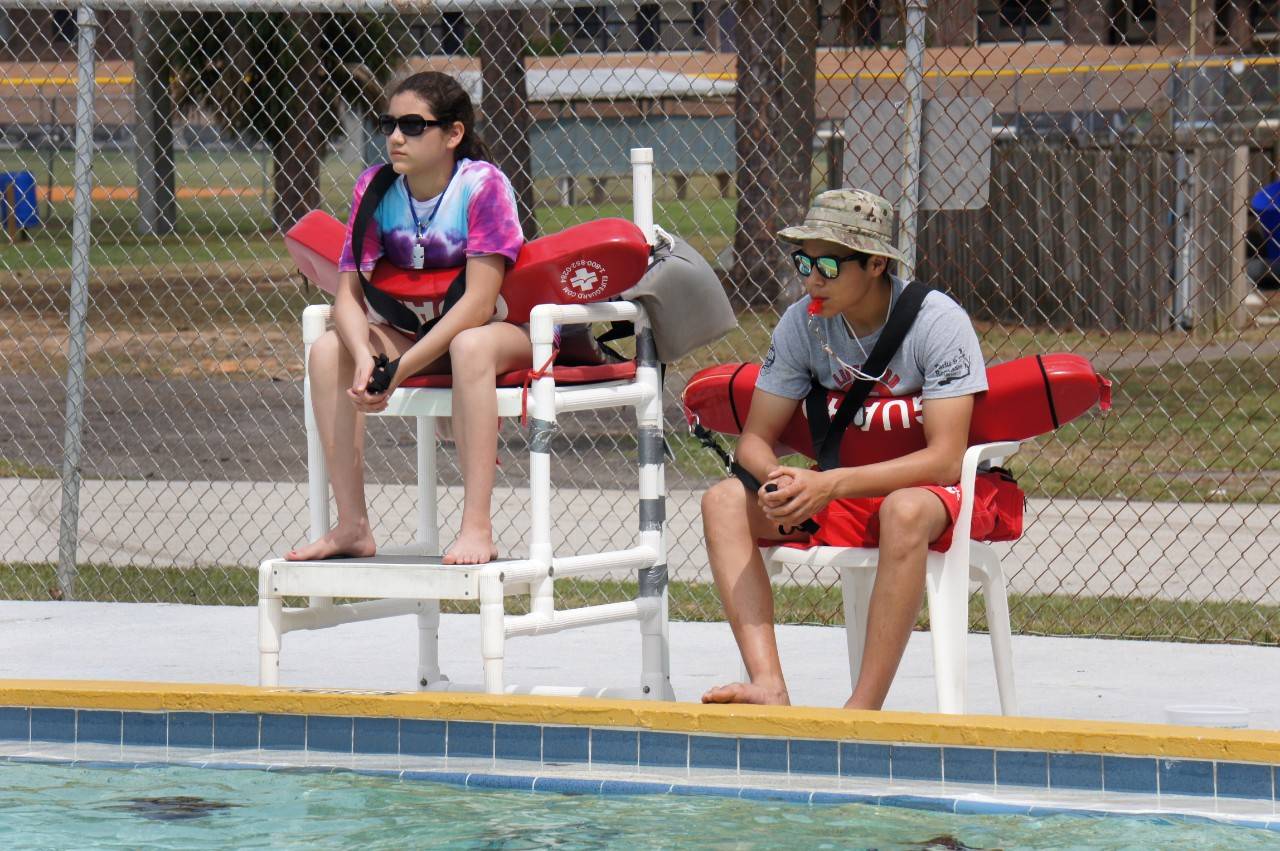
(634, 787)
(615, 746)
(1129, 774)
(1186, 777)
(15, 723)
(1075, 771)
(566, 744)
(235, 730)
(667, 749)
(421, 738)
(377, 735)
(969, 765)
(916, 762)
(567, 785)
(284, 732)
(96, 725)
(146, 729)
(53, 725)
(517, 741)
(762, 754)
(858, 759)
(500, 781)
(811, 757)
(713, 752)
(1022, 768)
(470, 738)
(843, 798)
(1243, 780)
(190, 730)
(330, 733)
(690, 789)
(794, 796)
(919, 802)
(453, 778)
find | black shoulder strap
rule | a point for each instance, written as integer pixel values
(389, 307)
(828, 434)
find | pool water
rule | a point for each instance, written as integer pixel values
(49, 806)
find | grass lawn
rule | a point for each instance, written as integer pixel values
(1110, 617)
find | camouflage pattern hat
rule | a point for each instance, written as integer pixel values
(857, 219)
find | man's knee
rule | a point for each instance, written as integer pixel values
(911, 517)
(725, 499)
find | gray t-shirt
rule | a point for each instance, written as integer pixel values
(940, 355)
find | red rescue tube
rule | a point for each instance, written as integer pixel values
(1027, 397)
(589, 262)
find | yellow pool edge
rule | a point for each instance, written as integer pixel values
(993, 731)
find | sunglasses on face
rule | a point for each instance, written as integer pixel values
(828, 266)
(410, 125)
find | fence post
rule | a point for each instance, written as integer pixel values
(1237, 314)
(68, 522)
(912, 115)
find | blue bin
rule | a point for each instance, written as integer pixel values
(25, 209)
(1266, 205)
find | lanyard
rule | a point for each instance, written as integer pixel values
(419, 229)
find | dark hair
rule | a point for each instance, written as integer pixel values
(862, 258)
(450, 102)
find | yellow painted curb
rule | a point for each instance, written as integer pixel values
(1041, 734)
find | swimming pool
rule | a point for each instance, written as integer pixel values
(1020, 780)
(51, 806)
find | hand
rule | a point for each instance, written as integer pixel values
(800, 494)
(361, 399)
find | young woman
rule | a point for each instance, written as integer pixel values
(448, 207)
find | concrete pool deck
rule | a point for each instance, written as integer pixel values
(1068, 678)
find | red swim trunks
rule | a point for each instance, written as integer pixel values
(997, 515)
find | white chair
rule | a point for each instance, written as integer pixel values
(948, 578)
(413, 581)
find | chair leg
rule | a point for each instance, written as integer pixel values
(270, 630)
(997, 602)
(429, 644)
(655, 654)
(855, 587)
(947, 584)
(492, 631)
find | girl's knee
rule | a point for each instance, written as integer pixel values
(326, 354)
(470, 352)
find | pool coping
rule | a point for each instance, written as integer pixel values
(1010, 733)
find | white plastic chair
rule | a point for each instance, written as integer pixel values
(948, 577)
(413, 581)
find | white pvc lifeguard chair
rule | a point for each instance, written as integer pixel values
(412, 580)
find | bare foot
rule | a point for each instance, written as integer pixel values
(339, 543)
(472, 547)
(747, 693)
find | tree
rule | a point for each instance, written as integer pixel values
(283, 79)
(774, 119)
(505, 104)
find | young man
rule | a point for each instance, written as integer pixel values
(844, 253)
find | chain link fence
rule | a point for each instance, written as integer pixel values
(1088, 179)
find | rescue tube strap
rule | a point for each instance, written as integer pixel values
(1048, 391)
(828, 432)
(384, 371)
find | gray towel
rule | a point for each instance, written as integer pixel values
(686, 304)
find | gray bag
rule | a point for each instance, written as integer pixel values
(682, 294)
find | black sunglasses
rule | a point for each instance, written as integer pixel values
(828, 265)
(410, 125)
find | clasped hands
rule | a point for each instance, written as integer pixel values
(374, 381)
(800, 494)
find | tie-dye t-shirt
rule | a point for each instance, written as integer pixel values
(477, 215)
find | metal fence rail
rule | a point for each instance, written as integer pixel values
(1080, 182)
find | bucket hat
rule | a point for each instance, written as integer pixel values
(855, 218)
